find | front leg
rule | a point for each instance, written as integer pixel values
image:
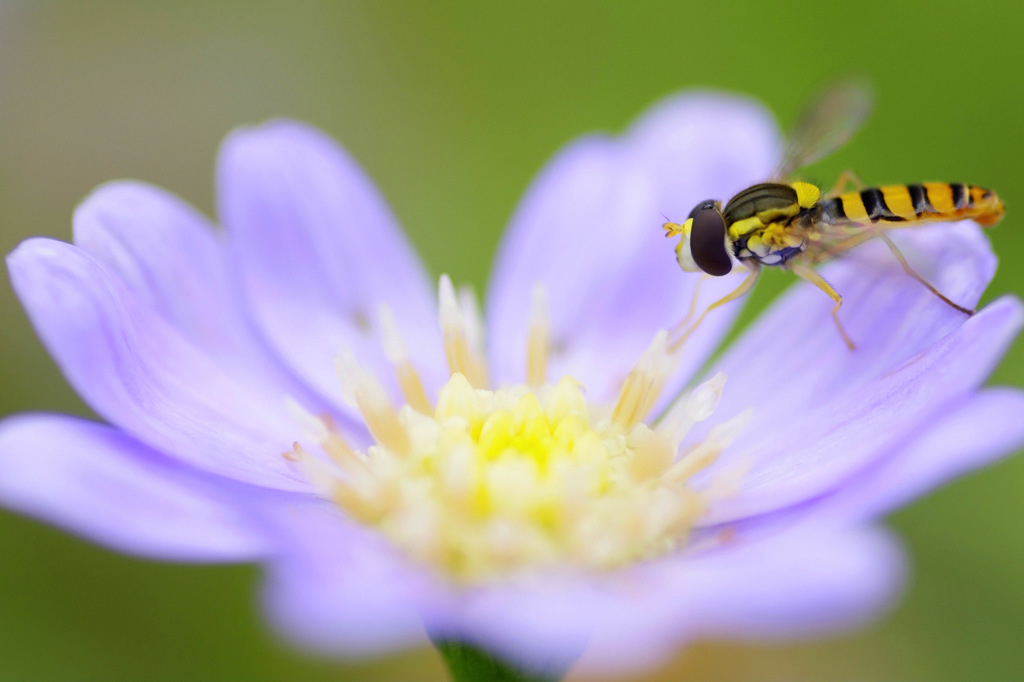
(754, 268)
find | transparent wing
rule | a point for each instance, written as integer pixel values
(834, 241)
(825, 126)
(828, 241)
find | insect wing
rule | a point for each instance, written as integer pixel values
(831, 241)
(825, 126)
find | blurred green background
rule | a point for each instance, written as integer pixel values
(452, 107)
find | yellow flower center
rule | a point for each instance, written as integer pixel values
(495, 483)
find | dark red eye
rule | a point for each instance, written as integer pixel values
(707, 242)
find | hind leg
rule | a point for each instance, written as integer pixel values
(913, 273)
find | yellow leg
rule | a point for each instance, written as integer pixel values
(746, 285)
(693, 305)
(806, 273)
(847, 179)
(910, 271)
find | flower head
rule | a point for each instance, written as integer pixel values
(532, 478)
(489, 484)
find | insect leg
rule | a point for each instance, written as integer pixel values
(746, 285)
(847, 179)
(806, 273)
(913, 273)
(693, 305)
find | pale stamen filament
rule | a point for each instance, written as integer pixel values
(457, 397)
(408, 378)
(662, 365)
(318, 472)
(343, 455)
(704, 454)
(644, 383)
(474, 325)
(371, 399)
(313, 426)
(691, 408)
(471, 317)
(353, 485)
(456, 339)
(727, 483)
(539, 340)
(457, 477)
(652, 454)
(321, 431)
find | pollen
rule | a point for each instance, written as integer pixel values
(484, 483)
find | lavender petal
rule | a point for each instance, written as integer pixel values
(974, 433)
(171, 259)
(319, 252)
(821, 447)
(341, 589)
(99, 483)
(798, 584)
(141, 374)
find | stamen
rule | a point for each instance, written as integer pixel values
(319, 474)
(704, 454)
(475, 338)
(320, 431)
(308, 422)
(652, 453)
(538, 343)
(471, 317)
(457, 399)
(394, 349)
(490, 483)
(704, 399)
(567, 399)
(342, 455)
(727, 483)
(457, 473)
(644, 383)
(353, 488)
(372, 401)
(451, 327)
(456, 338)
(695, 406)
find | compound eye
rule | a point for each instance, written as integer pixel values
(702, 206)
(707, 242)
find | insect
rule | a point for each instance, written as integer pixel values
(794, 226)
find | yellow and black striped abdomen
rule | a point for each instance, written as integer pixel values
(927, 202)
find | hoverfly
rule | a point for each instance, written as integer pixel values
(792, 225)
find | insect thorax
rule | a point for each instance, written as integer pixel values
(765, 223)
(773, 245)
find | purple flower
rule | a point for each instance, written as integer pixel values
(282, 392)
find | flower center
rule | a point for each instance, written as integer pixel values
(490, 483)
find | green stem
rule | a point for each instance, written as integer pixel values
(467, 663)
